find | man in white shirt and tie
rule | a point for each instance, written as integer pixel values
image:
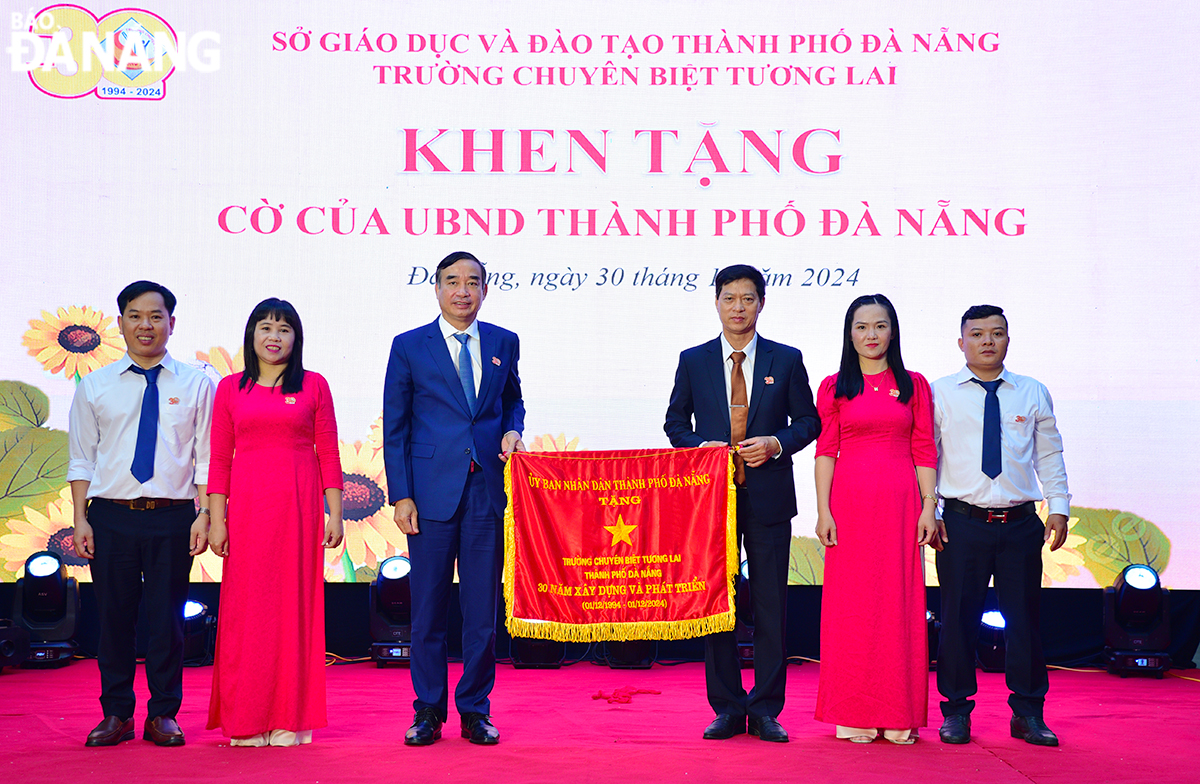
(139, 432)
(999, 453)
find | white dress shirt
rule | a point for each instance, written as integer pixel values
(454, 347)
(748, 373)
(747, 367)
(104, 418)
(1030, 445)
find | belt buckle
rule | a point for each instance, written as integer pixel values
(997, 517)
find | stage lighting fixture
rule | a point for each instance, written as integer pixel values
(989, 653)
(1137, 623)
(199, 634)
(629, 654)
(391, 612)
(46, 604)
(743, 626)
(14, 644)
(528, 653)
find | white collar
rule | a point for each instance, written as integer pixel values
(449, 329)
(727, 349)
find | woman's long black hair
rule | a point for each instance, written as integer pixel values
(850, 377)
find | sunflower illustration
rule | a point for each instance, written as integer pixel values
(74, 342)
(375, 437)
(53, 531)
(207, 567)
(371, 533)
(930, 567)
(1057, 566)
(550, 443)
(333, 572)
(221, 362)
(1064, 562)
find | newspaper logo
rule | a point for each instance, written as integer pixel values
(129, 54)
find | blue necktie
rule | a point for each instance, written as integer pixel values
(143, 454)
(464, 371)
(991, 428)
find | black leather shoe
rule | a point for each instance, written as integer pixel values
(767, 728)
(1033, 730)
(479, 729)
(110, 732)
(425, 729)
(725, 726)
(956, 729)
(163, 731)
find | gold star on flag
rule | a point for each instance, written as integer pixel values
(620, 532)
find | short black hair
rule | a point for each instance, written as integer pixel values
(140, 287)
(293, 375)
(453, 259)
(741, 272)
(982, 312)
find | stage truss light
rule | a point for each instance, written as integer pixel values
(528, 653)
(989, 653)
(1137, 623)
(390, 597)
(14, 644)
(199, 634)
(743, 626)
(629, 654)
(46, 605)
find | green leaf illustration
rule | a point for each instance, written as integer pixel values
(33, 468)
(22, 405)
(5, 575)
(364, 574)
(806, 565)
(1116, 539)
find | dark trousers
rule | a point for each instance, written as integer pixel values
(768, 548)
(474, 536)
(978, 550)
(141, 557)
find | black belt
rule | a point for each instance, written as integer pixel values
(149, 504)
(991, 515)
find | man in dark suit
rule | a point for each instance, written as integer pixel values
(751, 393)
(452, 413)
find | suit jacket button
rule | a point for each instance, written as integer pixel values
(466, 451)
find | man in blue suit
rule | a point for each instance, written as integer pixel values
(452, 413)
(752, 393)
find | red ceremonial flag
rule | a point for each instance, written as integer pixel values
(620, 545)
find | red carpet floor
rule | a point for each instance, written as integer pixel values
(1112, 730)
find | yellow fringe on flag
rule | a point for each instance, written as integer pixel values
(732, 552)
(640, 630)
(510, 543)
